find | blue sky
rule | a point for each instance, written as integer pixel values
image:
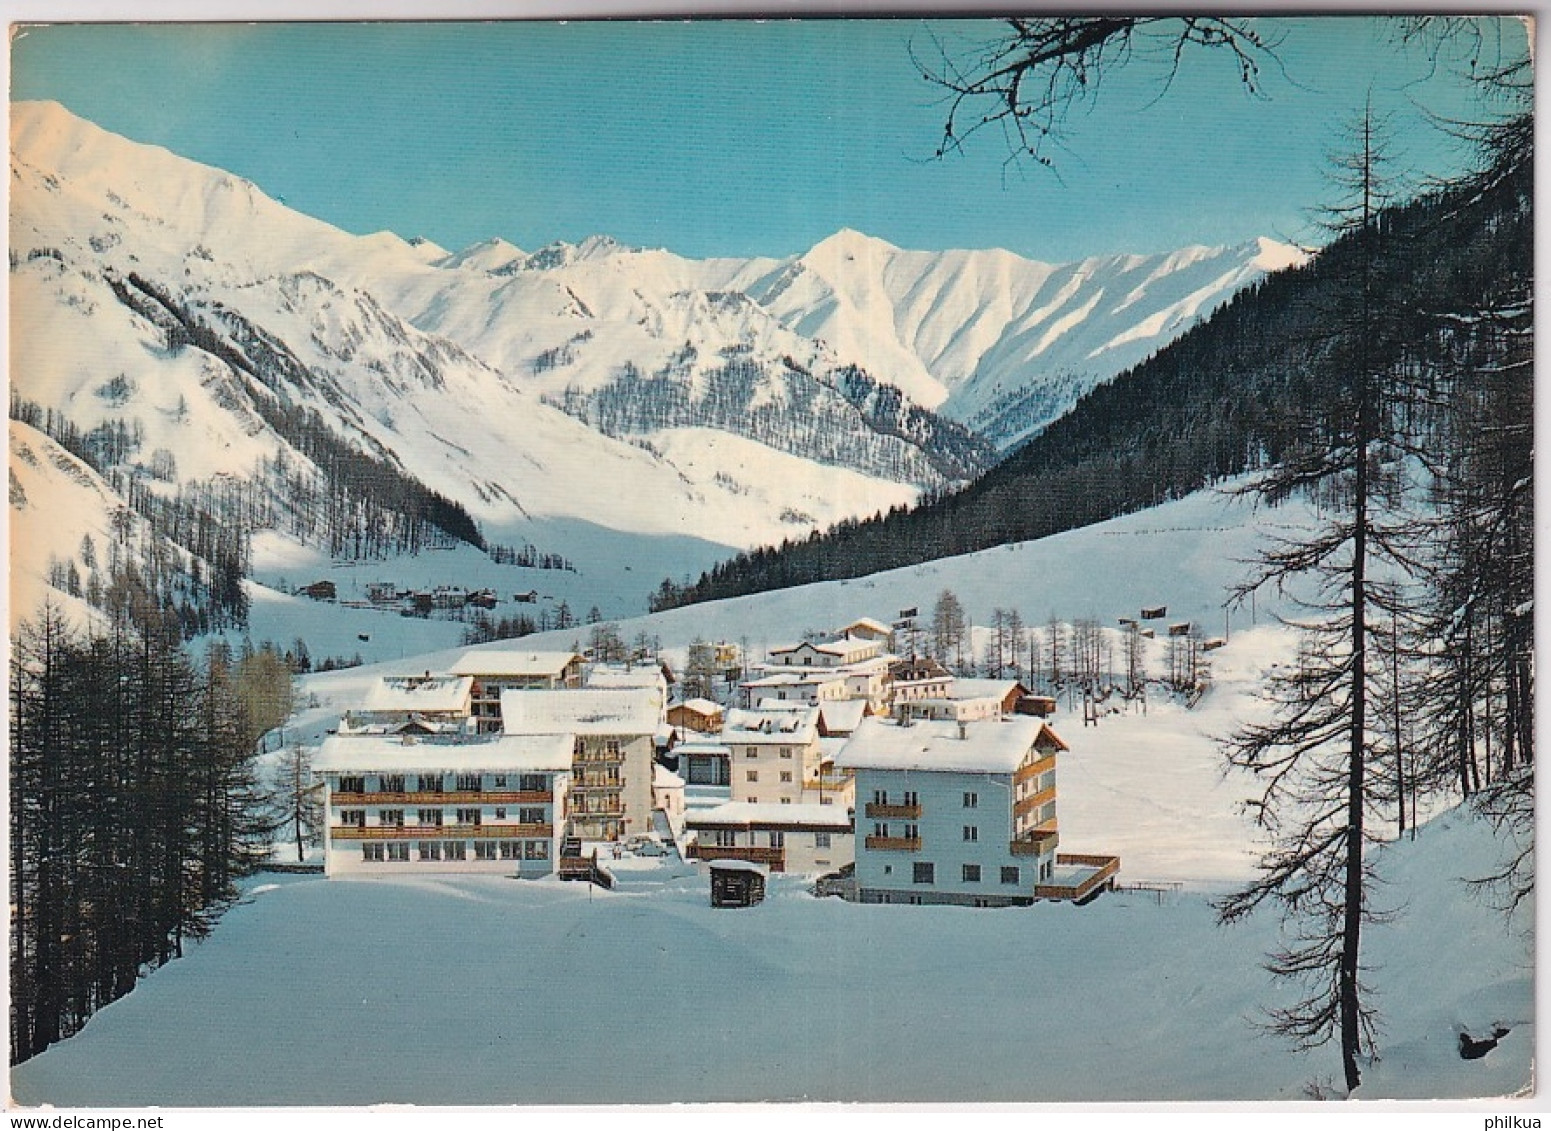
(732, 138)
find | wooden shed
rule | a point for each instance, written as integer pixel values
(737, 883)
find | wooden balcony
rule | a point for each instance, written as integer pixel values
(440, 832)
(892, 844)
(593, 784)
(1036, 843)
(774, 858)
(900, 812)
(1103, 869)
(1034, 769)
(499, 797)
(1033, 801)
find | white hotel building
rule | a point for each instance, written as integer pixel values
(402, 803)
(954, 811)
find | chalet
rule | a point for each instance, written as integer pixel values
(805, 686)
(318, 591)
(773, 755)
(647, 677)
(1007, 692)
(496, 670)
(866, 628)
(402, 804)
(804, 839)
(839, 719)
(829, 654)
(954, 812)
(612, 732)
(699, 715)
(917, 678)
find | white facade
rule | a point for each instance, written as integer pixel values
(413, 805)
(772, 755)
(953, 812)
(801, 839)
(612, 733)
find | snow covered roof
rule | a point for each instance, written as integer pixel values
(436, 693)
(699, 706)
(644, 675)
(988, 746)
(390, 754)
(695, 748)
(587, 710)
(511, 662)
(842, 716)
(664, 778)
(869, 624)
(743, 814)
(962, 688)
(753, 727)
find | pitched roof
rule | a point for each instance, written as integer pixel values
(511, 662)
(587, 710)
(988, 746)
(391, 754)
(419, 693)
(754, 727)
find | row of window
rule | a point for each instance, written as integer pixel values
(394, 818)
(753, 775)
(728, 838)
(437, 783)
(970, 833)
(428, 850)
(911, 797)
(925, 872)
(753, 752)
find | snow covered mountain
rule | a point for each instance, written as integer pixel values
(228, 339)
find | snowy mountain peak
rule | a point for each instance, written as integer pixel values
(562, 254)
(486, 255)
(1277, 256)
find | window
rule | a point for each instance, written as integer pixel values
(786, 801)
(393, 783)
(511, 850)
(1046, 870)
(353, 818)
(912, 832)
(468, 816)
(888, 869)
(455, 850)
(484, 850)
(786, 775)
(912, 797)
(535, 850)
(611, 747)
(430, 783)
(468, 783)
(430, 850)
(821, 840)
(393, 818)
(370, 851)
(972, 873)
(971, 832)
(530, 815)
(752, 775)
(1010, 875)
(971, 800)
(429, 817)
(786, 752)
(777, 839)
(398, 850)
(500, 813)
(533, 783)
(880, 797)
(880, 829)
(352, 783)
(923, 872)
(751, 752)
(826, 801)
(500, 781)
(726, 838)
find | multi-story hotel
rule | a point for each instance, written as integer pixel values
(493, 671)
(611, 733)
(412, 804)
(954, 811)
